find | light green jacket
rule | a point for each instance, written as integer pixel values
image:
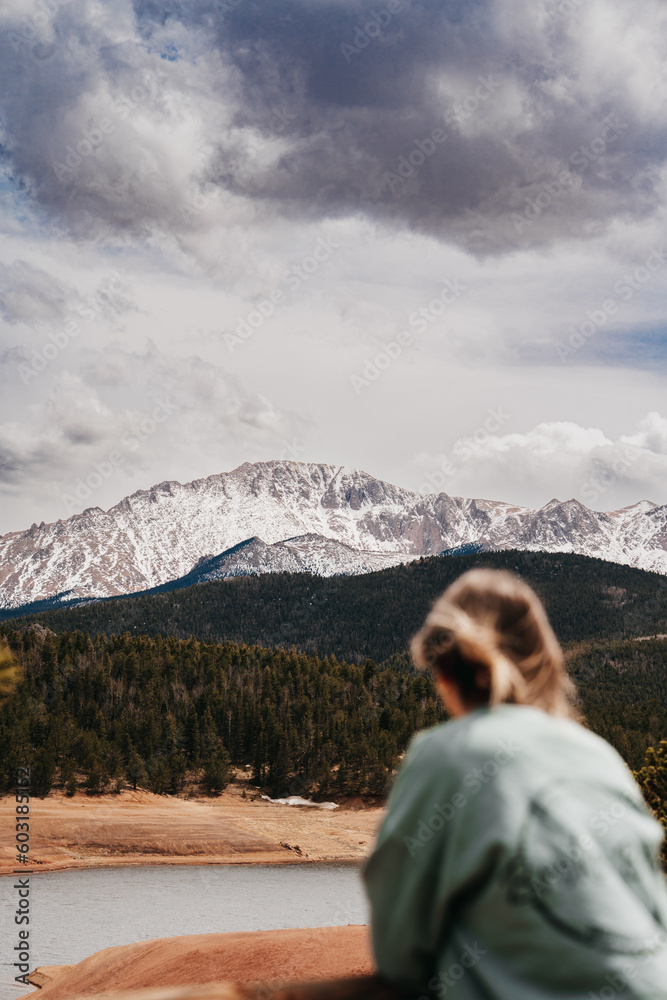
(517, 861)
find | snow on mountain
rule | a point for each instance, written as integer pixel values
(296, 516)
(303, 554)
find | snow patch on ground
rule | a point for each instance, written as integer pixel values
(296, 800)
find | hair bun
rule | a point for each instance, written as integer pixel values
(492, 620)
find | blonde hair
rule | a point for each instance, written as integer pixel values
(489, 633)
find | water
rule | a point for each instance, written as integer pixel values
(75, 913)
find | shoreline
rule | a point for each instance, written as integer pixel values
(147, 861)
(140, 828)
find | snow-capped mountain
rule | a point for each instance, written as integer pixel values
(297, 516)
(303, 554)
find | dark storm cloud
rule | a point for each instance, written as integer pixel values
(458, 119)
(475, 122)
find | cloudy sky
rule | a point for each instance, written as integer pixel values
(426, 239)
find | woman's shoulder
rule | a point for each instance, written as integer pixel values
(520, 735)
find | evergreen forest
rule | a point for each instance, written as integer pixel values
(373, 615)
(305, 681)
(155, 712)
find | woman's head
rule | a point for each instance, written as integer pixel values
(488, 639)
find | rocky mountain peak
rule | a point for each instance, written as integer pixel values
(301, 516)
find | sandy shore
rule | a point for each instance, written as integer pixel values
(272, 957)
(138, 828)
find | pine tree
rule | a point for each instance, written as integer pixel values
(159, 776)
(135, 770)
(259, 762)
(66, 771)
(217, 773)
(192, 736)
(97, 778)
(42, 773)
(178, 767)
(279, 768)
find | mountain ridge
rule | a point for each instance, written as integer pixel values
(301, 517)
(368, 614)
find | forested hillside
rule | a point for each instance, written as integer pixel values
(623, 688)
(160, 711)
(374, 615)
(305, 679)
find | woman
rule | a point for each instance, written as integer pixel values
(517, 859)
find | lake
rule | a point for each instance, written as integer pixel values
(75, 913)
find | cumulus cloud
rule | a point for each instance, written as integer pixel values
(651, 434)
(556, 459)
